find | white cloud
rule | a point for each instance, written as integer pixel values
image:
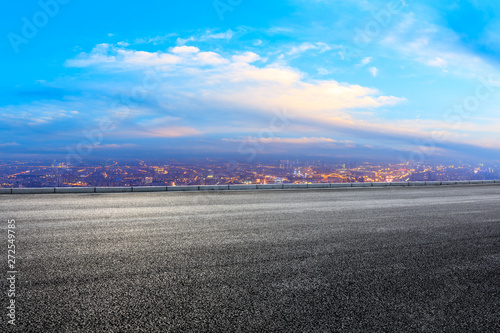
(35, 114)
(221, 35)
(247, 57)
(322, 47)
(323, 71)
(185, 49)
(98, 55)
(431, 45)
(182, 41)
(142, 58)
(365, 61)
(210, 58)
(207, 36)
(373, 71)
(108, 55)
(437, 62)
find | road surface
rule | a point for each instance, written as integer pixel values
(421, 259)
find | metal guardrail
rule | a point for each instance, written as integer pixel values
(230, 187)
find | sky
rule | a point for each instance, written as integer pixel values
(412, 80)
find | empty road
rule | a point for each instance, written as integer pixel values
(422, 259)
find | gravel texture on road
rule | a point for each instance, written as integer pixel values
(345, 260)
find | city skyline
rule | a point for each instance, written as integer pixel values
(172, 172)
(399, 79)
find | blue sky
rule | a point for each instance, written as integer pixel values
(410, 79)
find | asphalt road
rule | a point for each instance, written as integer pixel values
(423, 259)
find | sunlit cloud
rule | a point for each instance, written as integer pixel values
(165, 132)
(114, 146)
